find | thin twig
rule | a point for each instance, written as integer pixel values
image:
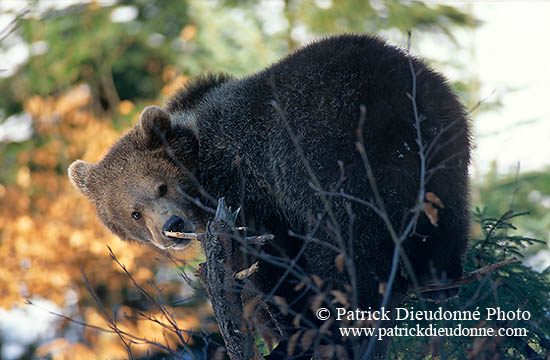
(466, 278)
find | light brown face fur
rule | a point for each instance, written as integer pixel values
(137, 187)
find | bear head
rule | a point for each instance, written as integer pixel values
(143, 186)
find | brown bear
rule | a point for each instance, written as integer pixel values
(282, 144)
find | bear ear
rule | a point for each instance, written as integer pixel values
(79, 174)
(154, 123)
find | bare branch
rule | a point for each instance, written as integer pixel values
(467, 278)
(259, 240)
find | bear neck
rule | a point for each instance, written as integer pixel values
(228, 136)
(232, 124)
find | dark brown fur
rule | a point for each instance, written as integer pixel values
(261, 140)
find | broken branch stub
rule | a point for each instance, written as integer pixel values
(246, 273)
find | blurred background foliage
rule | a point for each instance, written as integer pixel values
(92, 67)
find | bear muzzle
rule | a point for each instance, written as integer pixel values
(176, 224)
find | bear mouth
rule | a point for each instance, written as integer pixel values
(178, 244)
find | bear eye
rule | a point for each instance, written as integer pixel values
(136, 215)
(163, 189)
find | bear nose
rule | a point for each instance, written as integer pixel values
(174, 224)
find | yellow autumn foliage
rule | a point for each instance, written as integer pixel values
(49, 234)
